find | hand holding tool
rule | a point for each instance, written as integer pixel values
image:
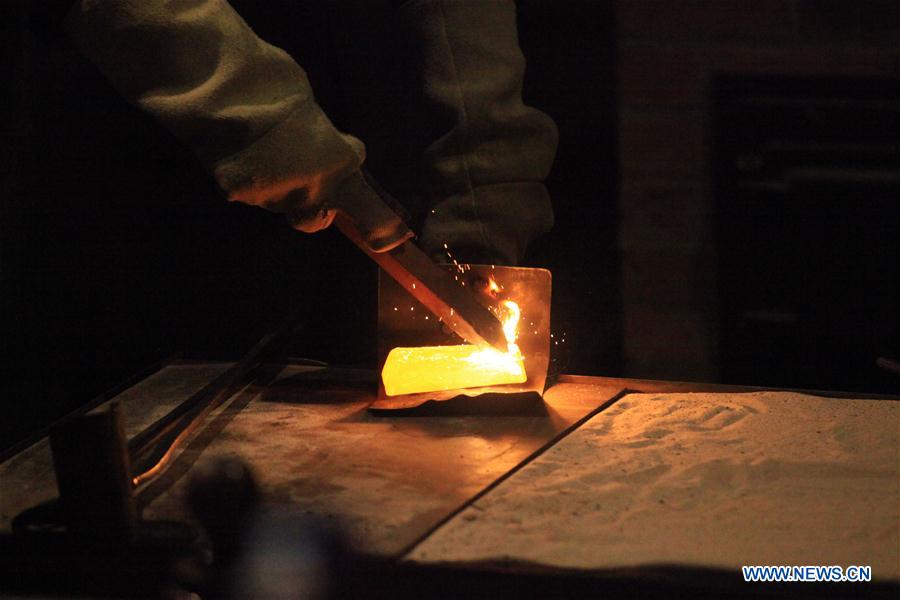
(364, 216)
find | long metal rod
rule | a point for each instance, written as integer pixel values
(434, 287)
(190, 414)
(146, 440)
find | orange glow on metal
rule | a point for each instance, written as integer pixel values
(439, 368)
(494, 287)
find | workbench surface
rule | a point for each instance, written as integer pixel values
(314, 448)
(593, 479)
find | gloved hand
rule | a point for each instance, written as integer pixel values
(370, 210)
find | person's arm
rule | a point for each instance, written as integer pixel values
(486, 171)
(244, 107)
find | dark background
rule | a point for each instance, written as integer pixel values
(118, 250)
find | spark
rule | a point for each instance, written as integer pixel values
(493, 286)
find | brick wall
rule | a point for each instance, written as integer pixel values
(667, 52)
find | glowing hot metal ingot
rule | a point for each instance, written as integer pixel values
(409, 336)
(439, 368)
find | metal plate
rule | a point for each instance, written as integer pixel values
(404, 322)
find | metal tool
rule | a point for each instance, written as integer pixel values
(363, 218)
(171, 431)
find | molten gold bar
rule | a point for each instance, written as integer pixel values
(439, 368)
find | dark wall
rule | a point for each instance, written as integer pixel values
(571, 76)
(807, 175)
(675, 299)
(118, 250)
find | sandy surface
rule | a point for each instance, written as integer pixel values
(715, 480)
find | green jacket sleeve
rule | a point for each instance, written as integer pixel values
(244, 107)
(486, 173)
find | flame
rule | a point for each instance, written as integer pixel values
(511, 322)
(503, 362)
(438, 368)
(495, 288)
